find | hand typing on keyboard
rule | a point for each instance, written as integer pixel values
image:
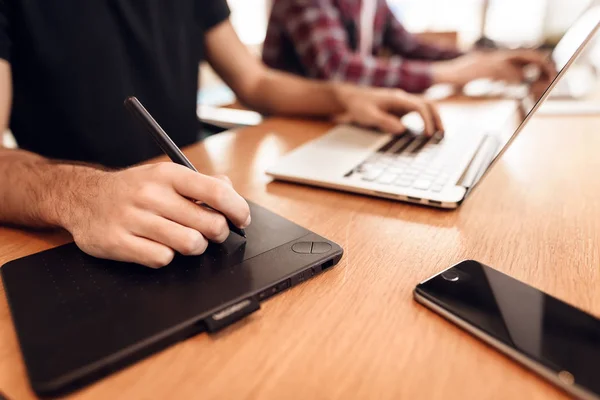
(383, 109)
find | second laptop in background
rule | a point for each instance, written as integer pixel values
(412, 168)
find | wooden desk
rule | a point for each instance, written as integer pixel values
(355, 332)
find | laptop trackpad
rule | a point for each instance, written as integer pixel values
(333, 154)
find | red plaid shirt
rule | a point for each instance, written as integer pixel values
(319, 39)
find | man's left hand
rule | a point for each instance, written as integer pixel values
(383, 108)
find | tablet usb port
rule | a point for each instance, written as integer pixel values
(284, 285)
(326, 265)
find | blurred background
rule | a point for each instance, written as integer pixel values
(511, 23)
(507, 21)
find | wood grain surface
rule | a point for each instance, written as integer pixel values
(355, 332)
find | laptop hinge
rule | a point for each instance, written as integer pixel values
(480, 161)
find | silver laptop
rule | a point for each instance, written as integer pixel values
(409, 167)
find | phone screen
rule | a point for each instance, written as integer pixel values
(562, 338)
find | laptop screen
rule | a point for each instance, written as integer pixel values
(570, 48)
(575, 36)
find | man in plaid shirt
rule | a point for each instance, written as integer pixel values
(340, 40)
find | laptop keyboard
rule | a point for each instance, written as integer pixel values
(409, 161)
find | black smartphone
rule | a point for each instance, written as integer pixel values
(556, 340)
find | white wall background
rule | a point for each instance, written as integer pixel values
(508, 20)
(530, 20)
(250, 17)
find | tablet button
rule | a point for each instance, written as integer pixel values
(320, 247)
(302, 247)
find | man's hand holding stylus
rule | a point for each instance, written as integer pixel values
(143, 214)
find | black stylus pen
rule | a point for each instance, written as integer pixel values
(166, 144)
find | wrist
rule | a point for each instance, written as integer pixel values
(341, 93)
(67, 192)
(444, 72)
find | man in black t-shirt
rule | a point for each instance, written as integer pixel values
(67, 65)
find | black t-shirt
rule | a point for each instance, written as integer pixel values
(75, 61)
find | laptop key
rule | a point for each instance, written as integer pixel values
(396, 170)
(406, 142)
(403, 182)
(422, 184)
(404, 158)
(386, 147)
(437, 138)
(371, 175)
(421, 165)
(437, 188)
(422, 141)
(401, 164)
(410, 175)
(387, 178)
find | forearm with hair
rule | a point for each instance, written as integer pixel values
(38, 192)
